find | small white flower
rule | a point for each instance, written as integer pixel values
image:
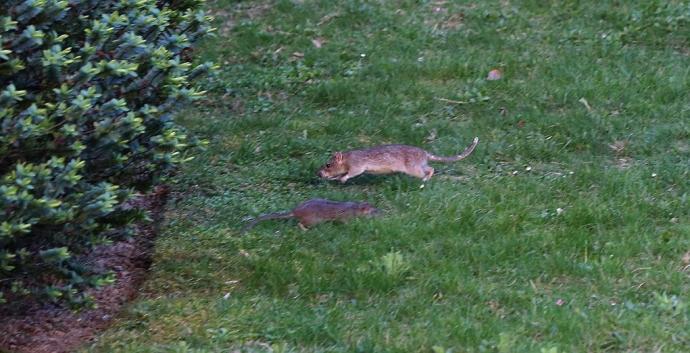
(653, 175)
(515, 172)
(226, 296)
(571, 172)
(559, 211)
(363, 55)
(528, 169)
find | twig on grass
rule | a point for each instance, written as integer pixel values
(449, 100)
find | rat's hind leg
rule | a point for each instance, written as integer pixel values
(308, 220)
(422, 172)
(428, 173)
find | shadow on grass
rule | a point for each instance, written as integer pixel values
(366, 180)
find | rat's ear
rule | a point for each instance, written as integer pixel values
(338, 157)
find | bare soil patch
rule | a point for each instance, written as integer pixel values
(51, 328)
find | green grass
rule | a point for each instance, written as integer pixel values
(583, 252)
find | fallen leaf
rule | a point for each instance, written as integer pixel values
(585, 103)
(318, 42)
(618, 147)
(237, 106)
(454, 21)
(298, 55)
(494, 75)
(686, 258)
(624, 163)
(431, 136)
(327, 18)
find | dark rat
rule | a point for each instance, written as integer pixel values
(386, 159)
(316, 211)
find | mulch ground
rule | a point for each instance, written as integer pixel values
(53, 329)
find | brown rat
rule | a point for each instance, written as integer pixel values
(316, 211)
(386, 159)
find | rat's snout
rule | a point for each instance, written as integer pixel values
(320, 173)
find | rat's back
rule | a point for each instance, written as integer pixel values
(323, 208)
(389, 158)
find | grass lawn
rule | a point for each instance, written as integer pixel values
(567, 230)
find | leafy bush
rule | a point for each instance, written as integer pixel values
(88, 89)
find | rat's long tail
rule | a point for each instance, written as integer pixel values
(462, 155)
(275, 215)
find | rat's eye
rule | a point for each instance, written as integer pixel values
(328, 165)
